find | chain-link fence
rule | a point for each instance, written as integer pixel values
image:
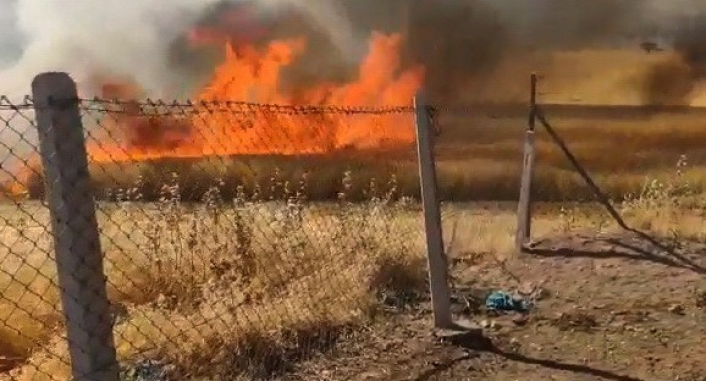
(621, 180)
(236, 239)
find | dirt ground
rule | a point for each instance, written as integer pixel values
(613, 307)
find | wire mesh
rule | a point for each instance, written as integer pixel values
(237, 238)
(29, 305)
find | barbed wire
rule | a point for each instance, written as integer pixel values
(226, 105)
(213, 106)
(102, 104)
(159, 107)
(487, 108)
(7, 104)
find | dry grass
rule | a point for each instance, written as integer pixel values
(249, 286)
(672, 207)
(242, 286)
(478, 160)
(257, 276)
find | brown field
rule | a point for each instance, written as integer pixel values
(478, 157)
(277, 275)
(254, 280)
(254, 289)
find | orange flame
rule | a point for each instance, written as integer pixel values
(254, 76)
(214, 127)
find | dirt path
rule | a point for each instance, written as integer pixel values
(612, 308)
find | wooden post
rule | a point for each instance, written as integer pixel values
(524, 207)
(438, 267)
(79, 259)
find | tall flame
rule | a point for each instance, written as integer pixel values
(213, 126)
(216, 127)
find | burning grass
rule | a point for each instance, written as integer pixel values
(478, 159)
(252, 173)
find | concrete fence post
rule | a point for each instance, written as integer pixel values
(524, 207)
(79, 258)
(438, 265)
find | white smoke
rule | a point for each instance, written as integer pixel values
(123, 39)
(330, 17)
(85, 38)
(131, 39)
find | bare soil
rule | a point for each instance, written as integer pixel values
(610, 307)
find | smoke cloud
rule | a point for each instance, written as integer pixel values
(674, 80)
(87, 38)
(477, 49)
(464, 44)
(471, 49)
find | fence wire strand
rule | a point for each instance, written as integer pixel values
(237, 238)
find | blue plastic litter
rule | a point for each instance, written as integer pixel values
(503, 301)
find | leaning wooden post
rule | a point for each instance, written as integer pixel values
(438, 266)
(79, 259)
(524, 207)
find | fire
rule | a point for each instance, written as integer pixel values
(213, 126)
(216, 127)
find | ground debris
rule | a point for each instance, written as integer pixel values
(577, 320)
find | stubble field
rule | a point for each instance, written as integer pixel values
(262, 282)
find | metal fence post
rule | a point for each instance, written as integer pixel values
(79, 258)
(524, 207)
(438, 267)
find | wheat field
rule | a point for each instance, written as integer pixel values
(478, 159)
(276, 260)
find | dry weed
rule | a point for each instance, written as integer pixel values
(478, 159)
(244, 286)
(669, 206)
